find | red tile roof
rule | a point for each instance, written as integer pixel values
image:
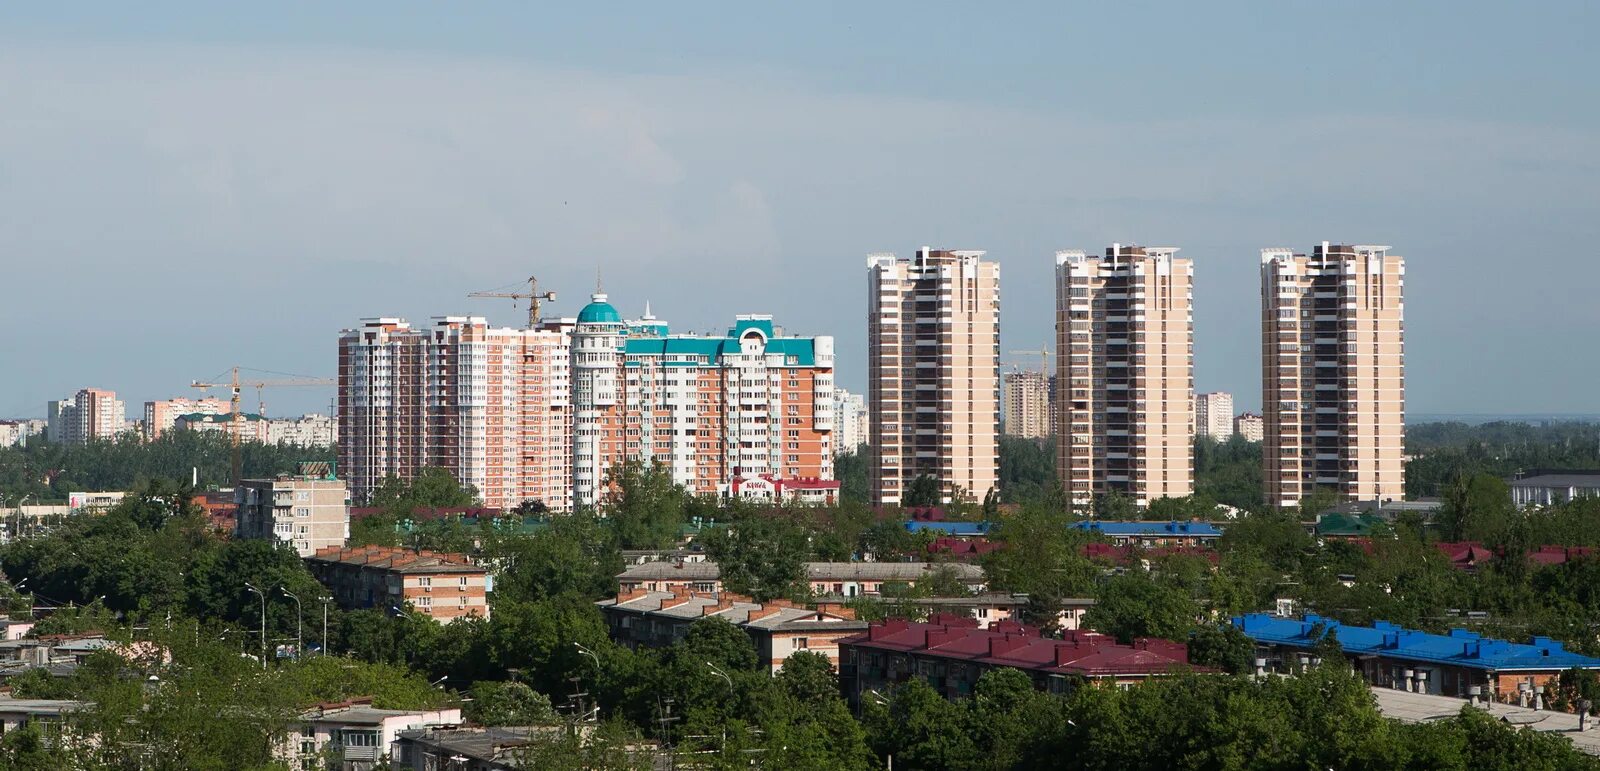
(1011, 644)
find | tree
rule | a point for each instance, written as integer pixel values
(1136, 605)
(851, 471)
(1223, 647)
(1039, 557)
(497, 703)
(1027, 469)
(923, 490)
(645, 506)
(920, 729)
(1476, 507)
(809, 678)
(761, 556)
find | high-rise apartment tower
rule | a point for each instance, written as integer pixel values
(1333, 372)
(933, 371)
(1125, 374)
(1027, 406)
(1213, 415)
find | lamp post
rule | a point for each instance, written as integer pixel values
(729, 680)
(263, 596)
(299, 620)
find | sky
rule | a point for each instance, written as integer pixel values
(185, 187)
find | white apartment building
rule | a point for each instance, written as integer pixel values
(307, 511)
(162, 416)
(849, 421)
(1213, 415)
(93, 414)
(933, 373)
(711, 409)
(17, 432)
(311, 430)
(1125, 373)
(1333, 372)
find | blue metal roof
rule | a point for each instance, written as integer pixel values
(1152, 529)
(1459, 648)
(949, 528)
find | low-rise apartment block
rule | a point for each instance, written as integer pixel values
(779, 628)
(1462, 664)
(17, 432)
(440, 585)
(308, 511)
(1549, 489)
(844, 579)
(951, 653)
(1152, 533)
(769, 489)
(354, 736)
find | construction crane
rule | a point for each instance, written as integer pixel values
(533, 296)
(236, 411)
(1044, 357)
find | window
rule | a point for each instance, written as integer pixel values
(462, 582)
(801, 643)
(425, 581)
(302, 512)
(424, 602)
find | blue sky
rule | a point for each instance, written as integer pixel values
(184, 187)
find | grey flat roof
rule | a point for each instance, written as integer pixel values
(359, 715)
(815, 571)
(784, 620)
(1410, 707)
(38, 706)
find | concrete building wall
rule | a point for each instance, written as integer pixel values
(308, 514)
(933, 357)
(1333, 372)
(1213, 415)
(1125, 372)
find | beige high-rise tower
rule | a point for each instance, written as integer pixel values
(1333, 372)
(933, 369)
(1027, 407)
(1125, 374)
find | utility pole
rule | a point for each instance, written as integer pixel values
(263, 597)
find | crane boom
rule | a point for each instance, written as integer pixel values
(236, 412)
(1044, 354)
(533, 296)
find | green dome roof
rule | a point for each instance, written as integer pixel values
(598, 311)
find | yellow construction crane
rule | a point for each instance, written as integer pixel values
(533, 296)
(1044, 357)
(236, 411)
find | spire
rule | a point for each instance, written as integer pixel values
(599, 288)
(648, 316)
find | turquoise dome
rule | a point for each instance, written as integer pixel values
(599, 312)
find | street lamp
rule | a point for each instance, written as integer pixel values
(729, 680)
(299, 619)
(263, 596)
(591, 654)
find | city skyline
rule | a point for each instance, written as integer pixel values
(507, 150)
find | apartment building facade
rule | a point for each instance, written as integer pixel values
(92, 414)
(1213, 415)
(1125, 373)
(1333, 372)
(849, 421)
(1250, 426)
(309, 430)
(933, 370)
(441, 585)
(753, 403)
(1028, 407)
(161, 416)
(307, 511)
(489, 404)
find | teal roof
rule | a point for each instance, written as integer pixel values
(599, 312)
(765, 325)
(687, 351)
